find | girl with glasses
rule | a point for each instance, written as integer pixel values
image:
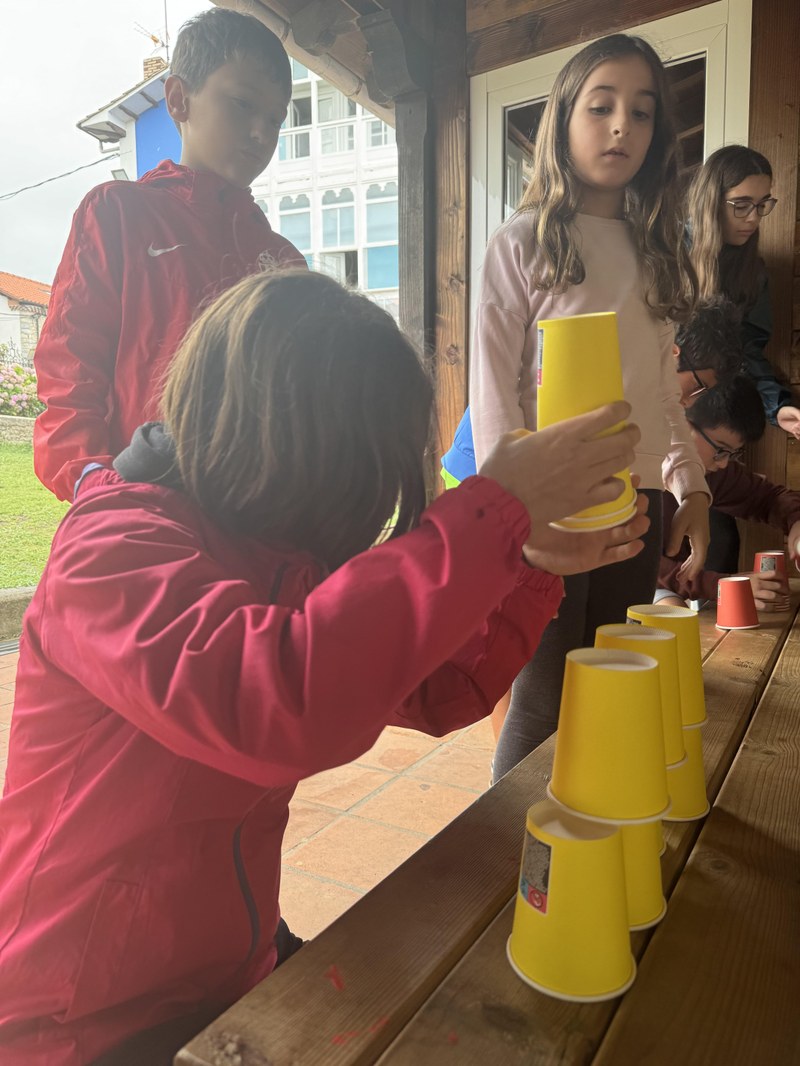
(728, 197)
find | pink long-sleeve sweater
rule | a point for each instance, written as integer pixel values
(502, 367)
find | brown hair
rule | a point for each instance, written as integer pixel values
(651, 200)
(215, 37)
(723, 269)
(300, 414)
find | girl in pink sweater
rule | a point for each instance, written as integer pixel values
(598, 230)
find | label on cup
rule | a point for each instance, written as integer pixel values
(539, 355)
(633, 621)
(534, 879)
(768, 563)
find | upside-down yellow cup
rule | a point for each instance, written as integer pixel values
(579, 370)
(609, 761)
(687, 783)
(683, 623)
(570, 935)
(641, 852)
(663, 647)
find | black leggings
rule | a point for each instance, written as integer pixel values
(159, 1046)
(598, 598)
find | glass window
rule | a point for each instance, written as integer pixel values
(338, 219)
(381, 221)
(382, 267)
(333, 106)
(299, 113)
(379, 134)
(263, 205)
(299, 72)
(295, 221)
(293, 145)
(337, 138)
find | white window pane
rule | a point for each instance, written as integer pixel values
(381, 221)
(382, 267)
(297, 229)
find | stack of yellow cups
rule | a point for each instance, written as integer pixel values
(609, 771)
(686, 781)
(643, 845)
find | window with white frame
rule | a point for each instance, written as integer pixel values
(299, 72)
(380, 255)
(338, 219)
(379, 134)
(335, 114)
(294, 221)
(295, 138)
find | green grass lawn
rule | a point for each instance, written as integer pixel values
(29, 515)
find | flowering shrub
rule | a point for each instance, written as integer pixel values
(18, 391)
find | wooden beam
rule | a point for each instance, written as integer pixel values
(504, 33)
(316, 25)
(775, 131)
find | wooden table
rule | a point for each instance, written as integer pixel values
(415, 973)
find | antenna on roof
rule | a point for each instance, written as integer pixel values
(158, 41)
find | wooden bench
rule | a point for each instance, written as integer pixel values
(417, 967)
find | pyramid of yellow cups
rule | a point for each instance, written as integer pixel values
(628, 750)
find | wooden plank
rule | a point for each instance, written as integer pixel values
(482, 1007)
(775, 131)
(720, 982)
(535, 29)
(451, 118)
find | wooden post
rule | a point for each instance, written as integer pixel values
(775, 131)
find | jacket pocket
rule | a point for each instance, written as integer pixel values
(95, 985)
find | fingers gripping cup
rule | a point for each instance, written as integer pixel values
(609, 761)
(662, 646)
(641, 852)
(736, 606)
(774, 562)
(687, 782)
(579, 370)
(683, 623)
(570, 935)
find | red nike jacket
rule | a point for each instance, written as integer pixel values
(174, 685)
(142, 259)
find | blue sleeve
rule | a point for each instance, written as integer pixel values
(459, 460)
(756, 331)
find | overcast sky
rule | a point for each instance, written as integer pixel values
(61, 61)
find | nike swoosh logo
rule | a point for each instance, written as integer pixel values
(160, 251)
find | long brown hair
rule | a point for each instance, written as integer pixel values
(723, 269)
(300, 415)
(651, 199)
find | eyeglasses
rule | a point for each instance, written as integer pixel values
(720, 452)
(745, 208)
(701, 385)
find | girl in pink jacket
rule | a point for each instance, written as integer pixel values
(597, 230)
(213, 626)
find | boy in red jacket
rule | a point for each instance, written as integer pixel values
(144, 257)
(723, 420)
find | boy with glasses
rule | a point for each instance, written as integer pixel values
(722, 420)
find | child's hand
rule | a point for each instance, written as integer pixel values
(690, 520)
(560, 552)
(767, 590)
(566, 467)
(793, 544)
(788, 418)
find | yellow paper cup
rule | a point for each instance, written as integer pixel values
(683, 623)
(687, 783)
(662, 646)
(570, 935)
(641, 852)
(579, 370)
(609, 762)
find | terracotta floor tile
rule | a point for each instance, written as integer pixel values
(396, 750)
(416, 805)
(305, 821)
(310, 905)
(462, 767)
(6, 695)
(8, 670)
(479, 735)
(341, 787)
(355, 852)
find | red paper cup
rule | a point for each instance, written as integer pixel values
(736, 606)
(773, 562)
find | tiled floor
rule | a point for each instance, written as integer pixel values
(351, 826)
